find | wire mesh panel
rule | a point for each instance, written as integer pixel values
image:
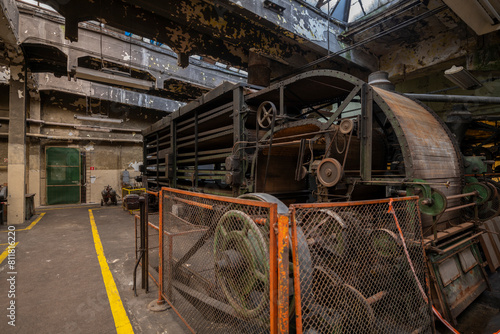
(153, 249)
(216, 261)
(360, 268)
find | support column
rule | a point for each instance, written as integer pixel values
(259, 70)
(35, 151)
(17, 146)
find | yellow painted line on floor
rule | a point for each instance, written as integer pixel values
(122, 322)
(6, 253)
(29, 227)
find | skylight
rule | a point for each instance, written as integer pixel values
(348, 10)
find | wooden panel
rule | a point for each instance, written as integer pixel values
(489, 252)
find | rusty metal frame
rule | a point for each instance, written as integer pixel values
(278, 256)
(296, 274)
(352, 203)
(283, 272)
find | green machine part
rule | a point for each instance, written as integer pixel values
(433, 202)
(484, 192)
(475, 165)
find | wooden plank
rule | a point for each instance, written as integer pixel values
(489, 252)
(449, 232)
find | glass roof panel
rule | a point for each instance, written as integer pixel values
(348, 10)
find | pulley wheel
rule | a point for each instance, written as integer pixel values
(489, 209)
(329, 172)
(346, 126)
(435, 205)
(266, 114)
(484, 192)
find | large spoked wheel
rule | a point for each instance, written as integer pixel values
(266, 114)
(304, 255)
(328, 230)
(242, 263)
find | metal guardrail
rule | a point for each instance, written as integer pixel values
(230, 265)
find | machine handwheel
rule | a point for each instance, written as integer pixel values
(266, 114)
(242, 263)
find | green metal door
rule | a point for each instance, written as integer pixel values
(63, 175)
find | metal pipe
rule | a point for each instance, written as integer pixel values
(460, 207)
(473, 193)
(135, 272)
(455, 98)
(146, 241)
(112, 140)
(72, 125)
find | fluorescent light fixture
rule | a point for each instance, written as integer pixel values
(112, 78)
(99, 119)
(91, 128)
(462, 78)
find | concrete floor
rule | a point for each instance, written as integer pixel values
(60, 288)
(59, 285)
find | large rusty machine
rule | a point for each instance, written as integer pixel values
(324, 136)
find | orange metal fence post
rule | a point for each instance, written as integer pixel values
(296, 274)
(283, 271)
(273, 270)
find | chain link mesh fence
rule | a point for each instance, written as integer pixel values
(354, 268)
(153, 245)
(216, 261)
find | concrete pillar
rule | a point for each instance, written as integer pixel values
(35, 151)
(17, 146)
(259, 70)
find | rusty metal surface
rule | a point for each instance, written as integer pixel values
(225, 31)
(459, 278)
(430, 152)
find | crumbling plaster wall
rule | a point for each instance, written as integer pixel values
(4, 129)
(107, 159)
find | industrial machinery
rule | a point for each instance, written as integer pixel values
(325, 137)
(108, 195)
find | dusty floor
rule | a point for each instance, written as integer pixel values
(59, 286)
